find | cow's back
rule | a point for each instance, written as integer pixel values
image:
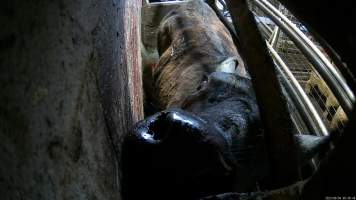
(192, 43)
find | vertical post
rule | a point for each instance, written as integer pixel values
(272, 104)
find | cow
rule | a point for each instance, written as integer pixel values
(208, 137)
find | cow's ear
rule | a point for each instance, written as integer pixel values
(309, 146)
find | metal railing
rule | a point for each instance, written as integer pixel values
(299, 97)
(327, 71)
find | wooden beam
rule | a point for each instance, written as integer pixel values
(272, 103)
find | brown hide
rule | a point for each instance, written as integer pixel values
(192, 43)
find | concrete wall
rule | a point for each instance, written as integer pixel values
(70, 82)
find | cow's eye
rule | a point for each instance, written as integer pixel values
(203, 83)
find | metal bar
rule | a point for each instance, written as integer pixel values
(314, 122)
(301, 110)
(272, 104)
(273, 34)
(344, 96)
(268, 29)
(337, 47)
(341, 80)
(274, 38)
(299, 132)
(297, 100)
(310, 123)
(264, 29)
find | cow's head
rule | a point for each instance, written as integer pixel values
(177, 155)
(193, 154)
(215, 145)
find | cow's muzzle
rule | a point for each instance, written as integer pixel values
(178, 153)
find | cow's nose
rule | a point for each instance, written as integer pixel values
(167, 125)
(176, 152)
